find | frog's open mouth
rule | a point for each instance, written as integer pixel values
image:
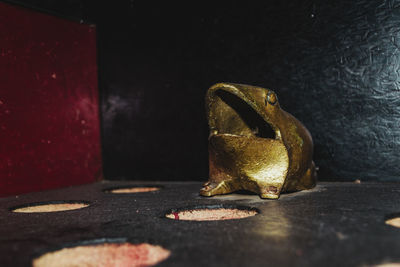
(255, 145)
(232, 115)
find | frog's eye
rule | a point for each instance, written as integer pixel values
(271, 98)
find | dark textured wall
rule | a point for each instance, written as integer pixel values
(347, 73)
(334, 65)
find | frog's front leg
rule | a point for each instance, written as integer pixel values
(270, 191)
(212, 188)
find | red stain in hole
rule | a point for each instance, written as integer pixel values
(176, 215)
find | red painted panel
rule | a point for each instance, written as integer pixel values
(49, 113)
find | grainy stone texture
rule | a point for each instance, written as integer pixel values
(217, 214)
(104, 255)
(50, 207)
(132, 190)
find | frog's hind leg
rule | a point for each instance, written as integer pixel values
(309, 179)
(212, 188)
(306, 181)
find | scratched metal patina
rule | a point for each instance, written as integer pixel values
(255, 145)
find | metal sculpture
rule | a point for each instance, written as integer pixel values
(254, 145)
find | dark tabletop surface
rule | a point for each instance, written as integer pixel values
(335, 224)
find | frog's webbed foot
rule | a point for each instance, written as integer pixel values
(211, 188)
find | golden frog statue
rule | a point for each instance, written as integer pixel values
(254, 145)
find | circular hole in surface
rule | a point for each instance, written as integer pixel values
(211, 213)
(106, 254)
(393, 222)
(132, 189)
(388, 265)
(50, 207)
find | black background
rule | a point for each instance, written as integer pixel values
(334, 65)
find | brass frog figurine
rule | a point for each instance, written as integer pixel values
(254, 145)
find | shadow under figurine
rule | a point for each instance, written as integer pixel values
(254, 145)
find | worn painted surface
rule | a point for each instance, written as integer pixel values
(334, 224)
(49, 118)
